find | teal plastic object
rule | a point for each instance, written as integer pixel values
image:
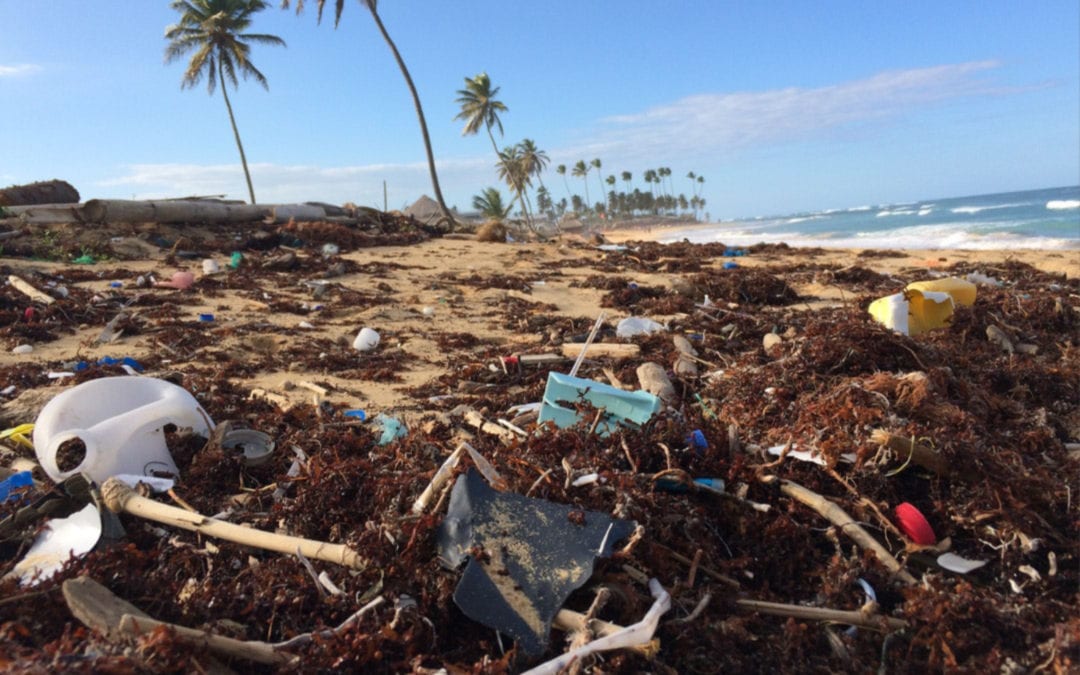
(391, 428)
(620, 407)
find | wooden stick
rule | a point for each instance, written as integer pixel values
(846, 523)
(922, 455)
(851, 617)
(28, 290)
(438, 480)
(118, 497)
(615, 350)
(250, 650)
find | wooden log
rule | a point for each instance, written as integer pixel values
(654, 380)
(615, 350)
(42, 192)
(45, 214)
(283, 213)
(171, 211)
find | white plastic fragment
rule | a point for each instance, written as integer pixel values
(632, 636)
(637, 325)
(955, 563)
(62, 539)
(155, 483)
(807, 456)
(587, 479)
(23, 349)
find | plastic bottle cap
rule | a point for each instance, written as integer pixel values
(206, 317)
(914, 525)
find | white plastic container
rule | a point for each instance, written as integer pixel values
(366, 340)
(121, 424)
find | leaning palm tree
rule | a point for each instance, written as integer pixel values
(372, 6)
(215, 30)
(581, 170)
(535, 159)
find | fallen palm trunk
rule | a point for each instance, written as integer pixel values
(837, 516)
(121, 498)
(171, 211)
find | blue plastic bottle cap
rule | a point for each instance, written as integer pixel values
(357, 414)
(698, 440)
(206, 317)
(116, 284)
(730, 265)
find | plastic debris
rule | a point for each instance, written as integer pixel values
(366, 340)
(355, 414)
(637, 325)
(563, 392)
(23, 349)
(955, 563)
(914, 524)
(153, 482)
(806, 456)
(923, 305)
(12, 487)
(181, 280)
(391, 428)
(18, 435)
(210, 266)
(256, 446)
(235, 260)
(731, 266)
(62, 539)
(535, 554)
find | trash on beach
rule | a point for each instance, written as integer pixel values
(23, 349)
(923, 305)
(390, 428)
(114, 425)
(563, 392)
(525, 556)
(179, 280)
(633, 326)
(366, 340)
(955, 563)
(61, 540)
(806, 456)
(14, 487)
(914, 524)
(210, 266)
(257, 447)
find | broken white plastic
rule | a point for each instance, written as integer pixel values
(61, 540)
(632, 636)
(954, 563)
(806, 456)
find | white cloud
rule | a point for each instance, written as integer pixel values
(18, 69)
(725, 122)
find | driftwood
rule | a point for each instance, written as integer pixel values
(615, 350)
(119, 497)
(685, 365)
(171, 211)
(906, 448)
(45, 214)
(28, 290)
(43, 192)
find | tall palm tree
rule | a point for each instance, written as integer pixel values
(490, 203)
(650, 178)
(627, 177)
(581, 169)
(610, 180)
(372, 6)
(561, 170)
(479, 108)
(513, 171)
(535, 159)
(215, 30)
(596, 165)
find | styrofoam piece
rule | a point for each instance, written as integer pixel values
(61, 540)
(637, 325)
(563, 392)
(366, 340)
(121, 424)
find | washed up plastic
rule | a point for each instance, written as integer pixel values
(955, 563)
(153, 482)
(563, 392)
(731, 266)
(391, 428)
(13, 487)
(256, 446)
(805, 456)
(366, 340)
(914, 524)
(61, 540)
(537, 553)
(673, 484)
(18, 435)
(923, 305)
(120, 423)
(637, 325)
(127, 363)
(210, 266)
(235, 260)
(181, 280)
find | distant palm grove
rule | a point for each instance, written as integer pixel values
(216, 32)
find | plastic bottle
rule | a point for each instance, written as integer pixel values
(120, 422)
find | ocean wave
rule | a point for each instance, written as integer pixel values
(925, 211)
(801, 219)
(898, 212)
(1062, 204)
(979, 209)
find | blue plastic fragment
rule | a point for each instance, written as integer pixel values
(14, 482)
(673, 484)
(563, 392)
(392, 428)
(356, 414)
(697, 440)
(731, 266)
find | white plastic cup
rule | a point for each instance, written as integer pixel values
(366, 340)
(210, 266)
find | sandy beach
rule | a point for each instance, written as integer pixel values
(269, 345)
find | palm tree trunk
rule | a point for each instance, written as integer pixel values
(236, 132)
(419, 114)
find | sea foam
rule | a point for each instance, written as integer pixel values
(1062, 204)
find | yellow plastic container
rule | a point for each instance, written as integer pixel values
(923, 305)
(962, 291)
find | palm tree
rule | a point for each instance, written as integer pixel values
(581, 169)
(535, 159)
(561, 170)
(490, 203)
(627, 177)
(215, 29)
(513, 171)
(479, 108)
(596, 165)
(610, 180)
(339, 5)
(650, 178)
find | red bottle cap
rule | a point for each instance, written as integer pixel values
(914, 525)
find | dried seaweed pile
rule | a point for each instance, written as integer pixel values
(833, 383)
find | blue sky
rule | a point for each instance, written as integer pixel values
(782, 106)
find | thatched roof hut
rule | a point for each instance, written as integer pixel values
(426, 210)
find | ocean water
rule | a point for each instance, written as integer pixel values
(1032, 219)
